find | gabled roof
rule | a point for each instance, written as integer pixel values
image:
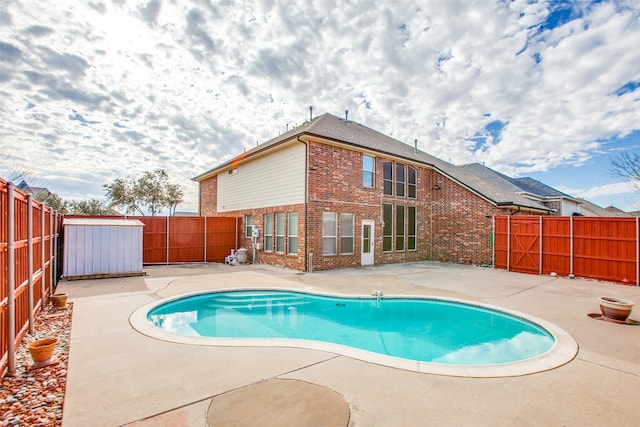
(330, 127)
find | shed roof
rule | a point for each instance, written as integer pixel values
(109, 222)
(328, 126)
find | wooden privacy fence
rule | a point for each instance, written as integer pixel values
(598, 248)
(177, 239)
(29, 248)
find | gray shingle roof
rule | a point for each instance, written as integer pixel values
(518, 185)
(588, 208)
(532, 186)
(330, 127)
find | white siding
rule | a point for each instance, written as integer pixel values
(568, 208)
(273, 180)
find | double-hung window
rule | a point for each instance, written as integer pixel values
(368, 171)
(329, 233)
(279, 232)
(268, 232)
(248, 222)
(346, 233)
(292, 229)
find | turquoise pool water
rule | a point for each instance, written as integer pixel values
(427, 330)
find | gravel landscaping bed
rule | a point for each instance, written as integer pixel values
(36, 397)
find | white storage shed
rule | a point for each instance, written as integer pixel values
(102, 247)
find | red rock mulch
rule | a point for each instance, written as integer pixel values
(36, 397)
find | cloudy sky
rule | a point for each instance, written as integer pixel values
(96, 90)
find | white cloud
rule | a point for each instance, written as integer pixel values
(184, 85)
(601, 190)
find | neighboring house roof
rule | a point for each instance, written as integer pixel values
(524, 186)
(32, 190)
(532, 186)
(590, 209)
(330, 127)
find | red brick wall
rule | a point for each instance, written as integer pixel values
(209, 197)
(335, 185)
(462, 223)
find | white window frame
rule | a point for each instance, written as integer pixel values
(248, 229)
(280, 232)
(292, 233)
(268, 232)
(371, 174)
(347, 234)
(329, 236)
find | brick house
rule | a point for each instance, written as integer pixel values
(332, 193)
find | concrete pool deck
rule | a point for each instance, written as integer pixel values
(117, 376)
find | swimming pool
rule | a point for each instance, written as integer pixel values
(424, 334)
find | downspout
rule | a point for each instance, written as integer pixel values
(306, 196)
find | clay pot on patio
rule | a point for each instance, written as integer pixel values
(42, 350)
(58, 300)
(615, 308)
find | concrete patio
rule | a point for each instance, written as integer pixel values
(117, 376)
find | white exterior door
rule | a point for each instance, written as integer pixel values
(366, 257)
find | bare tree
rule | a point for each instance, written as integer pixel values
(627, 165)
(16, 173)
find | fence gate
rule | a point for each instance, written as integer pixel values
(599, 248)
(525, 246)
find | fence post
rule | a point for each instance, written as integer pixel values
(540, 237)
(205, 239)
(637, 251)
(167, 255)
(55, 248)
(508, 243)
(30, 257)
(493, 241)
(50, 251)
(11, 278)
(42, 277)
(571, 245)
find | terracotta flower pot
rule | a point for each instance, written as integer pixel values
(58, 300)
(42, 350)
(615, 308)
